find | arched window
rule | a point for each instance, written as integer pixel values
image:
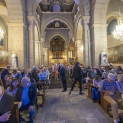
(1, 36)
(111, 26)
(56, 8)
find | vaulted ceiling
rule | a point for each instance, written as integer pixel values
(57, 5)
(2, 2)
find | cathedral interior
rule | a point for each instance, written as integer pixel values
(42, 32)
(47, 32)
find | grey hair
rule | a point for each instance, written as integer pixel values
(34, 67)
(120, 76)
(27, 79)
(112, 76)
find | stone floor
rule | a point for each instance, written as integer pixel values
(63, 108)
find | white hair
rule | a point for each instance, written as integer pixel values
(112, 76)
(27, 79)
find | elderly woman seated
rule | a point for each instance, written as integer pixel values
(96, 88)
(12, 89)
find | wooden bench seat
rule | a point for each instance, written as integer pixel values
(104, 104)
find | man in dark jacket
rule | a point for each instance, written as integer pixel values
(62, 72)
(77, 76)
(27, 94)
(35, 74)
(3, 73)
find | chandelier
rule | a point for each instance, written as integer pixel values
(1, 34)
(118, 32)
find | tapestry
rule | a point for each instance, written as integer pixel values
(115, 54)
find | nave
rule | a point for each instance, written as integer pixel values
(60, 107)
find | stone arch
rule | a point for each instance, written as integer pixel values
(15, 10)
(77, 26)
(100, 11)
(84, 5)
(56, 34)
(57, 18)
(35, 5)
(58, 54)
(98, 39)
(78, 39)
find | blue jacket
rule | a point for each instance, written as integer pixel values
(32, 94)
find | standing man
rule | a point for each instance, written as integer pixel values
(77, 76)
(62, 71)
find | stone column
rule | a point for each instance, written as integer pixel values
(39, 46)
(67, 58)
(41, 53)
(99, 42)
(48, 56)
(45, 52)
(79, 51)
(37, 53)
(31, 41)
(86, 42)
(16, 42)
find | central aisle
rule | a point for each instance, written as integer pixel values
(63, 108)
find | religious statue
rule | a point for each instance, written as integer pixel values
(104, 59)
(14, 60)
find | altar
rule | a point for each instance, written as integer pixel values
(56, 61)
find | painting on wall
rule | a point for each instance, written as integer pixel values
(115, 54)
(3, 58)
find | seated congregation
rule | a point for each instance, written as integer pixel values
(21, 89)
(20, 92)
(108, 91)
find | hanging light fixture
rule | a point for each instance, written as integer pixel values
(118, 32)
(1, 34)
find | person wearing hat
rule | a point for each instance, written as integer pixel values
(77, 76)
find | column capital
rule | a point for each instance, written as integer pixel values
(31, 20)
(86, 19)
(42, 39)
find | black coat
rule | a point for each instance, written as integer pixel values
(6, 104)
(77, 73)
(62, 72)
(32, 94)
(35, 75)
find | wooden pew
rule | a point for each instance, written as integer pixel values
(41, 93)
(104, 104)
(16, 111)
(89, 89)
